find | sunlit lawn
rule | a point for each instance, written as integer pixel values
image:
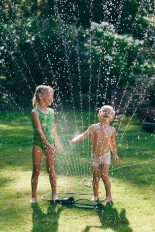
(133, 187)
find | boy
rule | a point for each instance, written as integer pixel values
(102, 141)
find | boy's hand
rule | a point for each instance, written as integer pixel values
(116, 158)
(73, 141)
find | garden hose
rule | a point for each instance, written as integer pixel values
(80, 203)
(126, 166)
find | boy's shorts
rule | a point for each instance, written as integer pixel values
(104, 159)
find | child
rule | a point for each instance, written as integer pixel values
(102, 141)
(44, 137)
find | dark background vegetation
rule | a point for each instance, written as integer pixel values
(90, 51)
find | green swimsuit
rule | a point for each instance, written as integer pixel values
(46, 125)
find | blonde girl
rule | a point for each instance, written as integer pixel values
(45, 138)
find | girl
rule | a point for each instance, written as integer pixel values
(44, 137)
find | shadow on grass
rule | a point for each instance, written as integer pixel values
(111, 218)
(4, 181)
(43, 222)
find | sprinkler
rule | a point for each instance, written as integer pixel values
(71, 202)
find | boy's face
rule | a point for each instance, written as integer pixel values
(106, 115)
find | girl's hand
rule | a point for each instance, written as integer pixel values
(116, 158)
(49, 148)
(59, 147)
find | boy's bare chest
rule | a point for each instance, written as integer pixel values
(102, 133)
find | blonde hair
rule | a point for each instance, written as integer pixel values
(40, 89)
(105, 107)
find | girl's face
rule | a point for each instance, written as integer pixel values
(47, 98)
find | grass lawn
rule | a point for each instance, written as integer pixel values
(133, 188)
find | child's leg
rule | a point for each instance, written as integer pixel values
(51, 172)
(96, 179)
(105, 178)
(36, 159)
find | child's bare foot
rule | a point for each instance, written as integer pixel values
(107, 200)
(33, 200)
(94, 198)
(54, 198)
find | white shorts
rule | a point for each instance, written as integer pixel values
(99, 160)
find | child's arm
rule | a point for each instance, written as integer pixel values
(55, 135)
(36, 122)
(113, 146)
(82, 136)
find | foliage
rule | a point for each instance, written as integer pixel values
(127, 16)
(76, 61)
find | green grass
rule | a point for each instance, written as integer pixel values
(133, 188)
